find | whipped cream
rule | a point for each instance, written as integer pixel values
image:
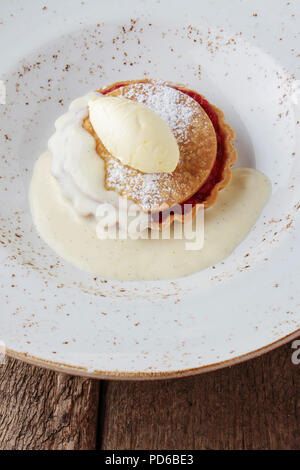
(75, 163)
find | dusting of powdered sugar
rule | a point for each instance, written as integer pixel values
(145, 188)
(165, 101)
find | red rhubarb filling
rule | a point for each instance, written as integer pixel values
(216, 173)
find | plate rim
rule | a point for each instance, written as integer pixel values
(147, 376)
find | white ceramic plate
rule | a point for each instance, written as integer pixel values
(244, 57)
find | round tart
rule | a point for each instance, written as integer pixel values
(206, 153)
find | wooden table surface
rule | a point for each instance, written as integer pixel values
(254, 405)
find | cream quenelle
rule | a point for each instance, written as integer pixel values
(134, 134)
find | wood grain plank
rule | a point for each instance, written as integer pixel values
(41, 409)
(254, 405)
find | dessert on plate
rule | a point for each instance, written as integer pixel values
(159, 148)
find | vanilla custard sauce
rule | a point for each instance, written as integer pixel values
(74, 238)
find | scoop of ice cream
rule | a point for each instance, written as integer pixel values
(134, 134)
